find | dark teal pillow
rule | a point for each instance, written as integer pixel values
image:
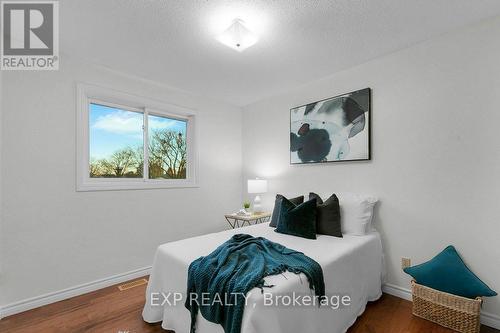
(297, 220)
(447, 272)
(277, 207)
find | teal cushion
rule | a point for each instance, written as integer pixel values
(297, 220)
(447, 272)
(277, 207)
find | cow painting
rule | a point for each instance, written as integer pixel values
(334, 129)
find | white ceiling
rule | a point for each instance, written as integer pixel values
(172, 41)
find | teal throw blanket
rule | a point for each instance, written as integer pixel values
(218, 282)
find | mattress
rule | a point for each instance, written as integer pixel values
(353, 267)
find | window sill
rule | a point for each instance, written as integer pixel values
(134, 185)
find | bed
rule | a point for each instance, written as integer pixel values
(352, 265)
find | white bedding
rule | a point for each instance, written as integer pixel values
(352, 266)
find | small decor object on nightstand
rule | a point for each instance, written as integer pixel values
(257, 186)
(243, 212)
(236, 220)
(246, 206)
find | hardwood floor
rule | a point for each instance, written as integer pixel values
(111, 310)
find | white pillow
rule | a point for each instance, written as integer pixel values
(356, 213)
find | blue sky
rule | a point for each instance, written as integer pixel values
(112, 129)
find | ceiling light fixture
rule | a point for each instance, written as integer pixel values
(237, 36)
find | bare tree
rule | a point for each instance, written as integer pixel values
(139, 161)
(122, 163)
(95, 168)
(106, 167)
(167, 155)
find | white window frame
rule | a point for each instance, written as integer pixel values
(87, 94)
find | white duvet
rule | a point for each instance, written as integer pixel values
(352, 266)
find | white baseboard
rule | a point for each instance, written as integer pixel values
(397, 291)
(35, 302)
(488, 319)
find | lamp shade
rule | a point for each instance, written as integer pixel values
(257, 186)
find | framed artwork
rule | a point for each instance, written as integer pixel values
(332, 130)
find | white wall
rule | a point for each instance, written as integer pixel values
(436, 149)
(1, 188)
(55, 237)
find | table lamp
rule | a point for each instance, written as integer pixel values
(257, 186)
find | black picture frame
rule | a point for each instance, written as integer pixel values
(365, 96)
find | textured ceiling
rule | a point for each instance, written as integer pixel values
(172, 41)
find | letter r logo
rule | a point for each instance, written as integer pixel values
(18, 27)
(28, 28)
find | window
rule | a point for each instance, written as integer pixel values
(115, 142)
(127, 142)
(167, 148)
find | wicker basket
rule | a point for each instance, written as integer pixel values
(458, 313)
